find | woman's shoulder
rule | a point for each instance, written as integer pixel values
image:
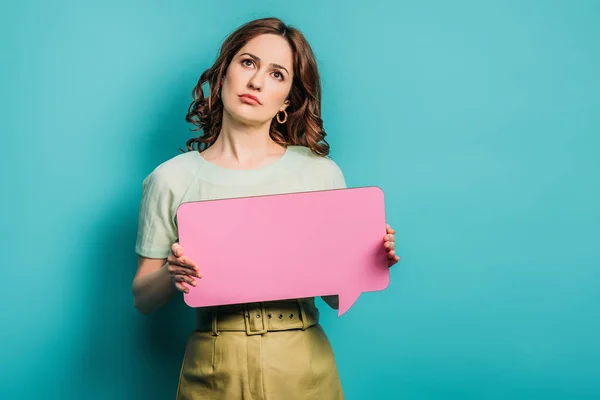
(320, 167)
(175, 171)
(307, 157)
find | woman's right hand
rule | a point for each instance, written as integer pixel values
(181, 269)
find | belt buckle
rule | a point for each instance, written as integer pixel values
(249, 331)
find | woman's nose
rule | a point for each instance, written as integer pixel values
(255, 83)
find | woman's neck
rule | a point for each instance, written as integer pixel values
(243, 146)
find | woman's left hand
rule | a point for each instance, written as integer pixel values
(389, 242)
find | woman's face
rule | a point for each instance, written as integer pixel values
(258, 80)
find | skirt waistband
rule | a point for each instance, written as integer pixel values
(258, 318)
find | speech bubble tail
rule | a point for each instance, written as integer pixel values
(346, 301)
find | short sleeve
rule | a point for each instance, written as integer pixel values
(338, 180)
(157, 229)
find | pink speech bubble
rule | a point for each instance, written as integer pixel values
(286, 246)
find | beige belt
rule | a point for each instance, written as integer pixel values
(257, 318)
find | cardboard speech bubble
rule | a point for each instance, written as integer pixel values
(286, 246)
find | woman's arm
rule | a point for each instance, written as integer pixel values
(152, 286)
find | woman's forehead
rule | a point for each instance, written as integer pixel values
(270, 49)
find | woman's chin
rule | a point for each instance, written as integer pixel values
(247, 117)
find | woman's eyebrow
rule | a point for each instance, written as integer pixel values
(257, 59)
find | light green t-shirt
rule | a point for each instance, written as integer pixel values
(189, 177)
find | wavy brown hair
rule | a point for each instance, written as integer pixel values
(304, 125)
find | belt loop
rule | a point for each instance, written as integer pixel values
(215, 313)
(303, 314)
(248, 324)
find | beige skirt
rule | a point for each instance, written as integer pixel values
(261, 351)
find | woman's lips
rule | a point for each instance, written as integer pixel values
(248, 98)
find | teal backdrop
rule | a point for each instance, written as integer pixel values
(479, 119)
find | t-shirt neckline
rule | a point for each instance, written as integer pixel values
(244, 177)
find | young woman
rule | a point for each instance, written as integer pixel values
(262, 134)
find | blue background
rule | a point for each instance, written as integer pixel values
(480, 120)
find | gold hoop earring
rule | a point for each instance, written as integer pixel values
(284, 119)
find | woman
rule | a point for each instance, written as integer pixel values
(262, 134)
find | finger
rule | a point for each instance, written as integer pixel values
(186, 279)
(176, 249)
(389, 238)
(389, 245)
(176, 269)
(389, 229)
(183, 279)
(174, 259)
(391, 254)
(189, 262)
(182, 288)
(185, 262)
(392, 261)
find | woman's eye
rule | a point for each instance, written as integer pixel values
(247, 62)
(278, 75)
